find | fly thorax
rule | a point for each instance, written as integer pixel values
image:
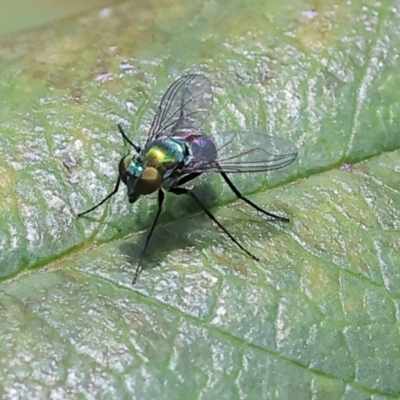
(165, 156)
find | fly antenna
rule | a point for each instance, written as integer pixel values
(135, 146)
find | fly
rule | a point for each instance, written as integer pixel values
(176, 152)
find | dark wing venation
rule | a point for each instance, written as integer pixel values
(184, 107)
(245, 152)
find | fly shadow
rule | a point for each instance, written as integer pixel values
(166, 236)
(192, 230)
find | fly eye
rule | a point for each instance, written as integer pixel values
(124, 165)
(149, 182)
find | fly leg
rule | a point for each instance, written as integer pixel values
(249, 202)
(137, 148)
(104, 200)
(139, 267)
(122, 132)
(179, 190)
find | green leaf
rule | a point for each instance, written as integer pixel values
(317, 317)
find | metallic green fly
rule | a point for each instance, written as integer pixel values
(176, 152)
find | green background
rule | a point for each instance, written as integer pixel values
(317, 317)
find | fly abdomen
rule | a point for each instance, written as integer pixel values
(203, 149)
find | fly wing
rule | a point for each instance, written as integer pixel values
(241, 152)
(184, 107)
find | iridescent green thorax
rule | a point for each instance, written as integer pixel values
(164, 155)
(145, 173)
